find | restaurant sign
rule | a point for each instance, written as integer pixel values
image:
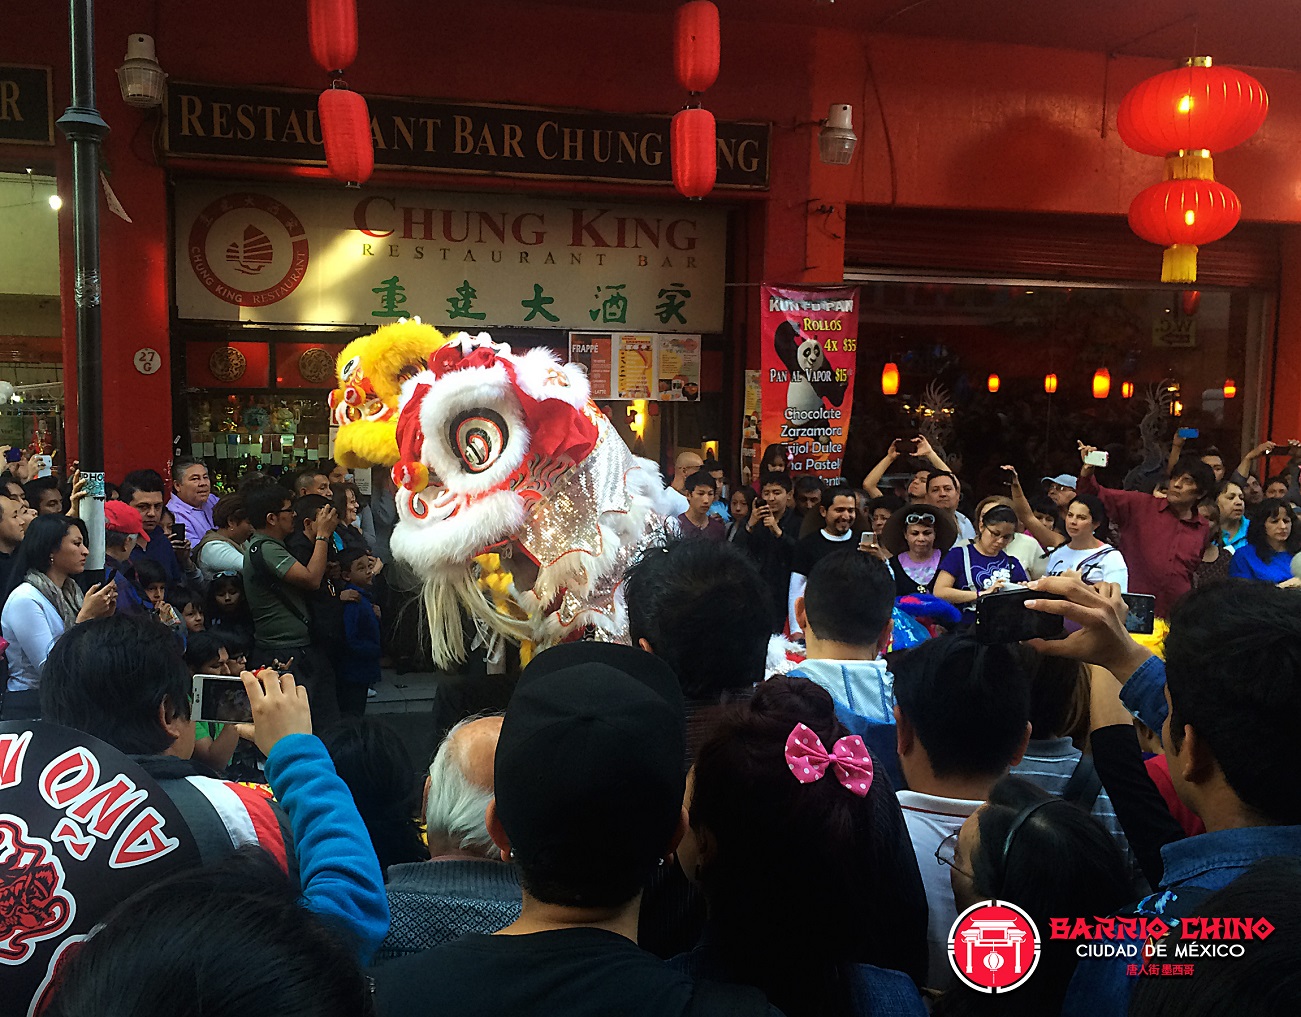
(281, 125)
(327, 255)
(26, 105)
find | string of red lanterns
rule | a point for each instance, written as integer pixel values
(693, 136)
(344, 115)
(1184, 114)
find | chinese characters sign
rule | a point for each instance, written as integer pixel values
(622, 365)
(458, 261)
(810, 343)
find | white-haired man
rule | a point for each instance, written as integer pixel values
(464, 887)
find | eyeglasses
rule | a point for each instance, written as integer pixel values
(913, 518)
(946, 853)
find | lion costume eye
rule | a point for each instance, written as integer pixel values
(478, 439)
(350, 368)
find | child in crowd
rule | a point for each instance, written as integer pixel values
(226, 609)
(152, 580)
(358, 665)
(188, 603)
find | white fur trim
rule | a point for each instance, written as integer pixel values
(465, 391)
(437, 542)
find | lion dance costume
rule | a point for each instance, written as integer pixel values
(518, 502)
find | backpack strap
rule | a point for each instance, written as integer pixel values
(966, 564)
(1084, 785)
(272, 582)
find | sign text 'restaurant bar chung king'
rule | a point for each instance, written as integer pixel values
(237, 122)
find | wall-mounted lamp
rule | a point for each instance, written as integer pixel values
(140, 77)
(837, 140)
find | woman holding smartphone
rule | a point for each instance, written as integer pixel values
(969, 572)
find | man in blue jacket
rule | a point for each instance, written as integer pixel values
(1225, 701)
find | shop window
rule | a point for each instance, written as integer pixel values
(1197, 353)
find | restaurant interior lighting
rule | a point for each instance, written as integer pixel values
(890, 379)
(837, 140)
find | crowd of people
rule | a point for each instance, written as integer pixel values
(771, 802)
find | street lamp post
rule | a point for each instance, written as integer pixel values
(85, 129)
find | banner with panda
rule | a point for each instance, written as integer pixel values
(810, 343)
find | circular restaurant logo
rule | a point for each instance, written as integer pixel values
(248, 249)
(993, 946)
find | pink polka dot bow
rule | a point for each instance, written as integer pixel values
(808, 759)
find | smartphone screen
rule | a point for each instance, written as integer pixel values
(1188, 432)
(1140, 619)
(220, 699)
(1002, 617)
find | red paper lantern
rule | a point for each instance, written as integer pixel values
(1101, 383)
(1050, 383)
(332, 31)
(693, 151)
(1179, 215)
(695, 45)
(994, 382)
(890, 379)
(345, 128)
(1230, 388)
(1126, 390)
(1192, 108)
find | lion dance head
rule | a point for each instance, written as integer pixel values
(518, 502)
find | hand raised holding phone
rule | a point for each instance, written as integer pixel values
(280, 708)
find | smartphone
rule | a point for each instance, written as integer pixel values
(13, 455)
(868, 539)
(1140, 618)
(1008, 474)
(1002, 617)
(178, 530)
(1188, 432)
(1097, 459)
(905, 446)
(220, 699)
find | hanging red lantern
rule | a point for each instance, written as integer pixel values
(693, 151)
(1126, 390)
(696, 45)
(1050, 383)
(1230, 388)
(345, 128)
(332, 31)
(1179, 215)
(1192, 108)
(994, 382)
(890, 379)
(1101, 383)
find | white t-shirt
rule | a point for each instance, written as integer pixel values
(965, 530)
(929, 820)
(1102, 564)
(672, 503)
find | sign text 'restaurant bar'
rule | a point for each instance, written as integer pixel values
(236, 122)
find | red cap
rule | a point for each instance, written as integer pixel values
(122, 518)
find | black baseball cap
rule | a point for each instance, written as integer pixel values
(589, 761)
